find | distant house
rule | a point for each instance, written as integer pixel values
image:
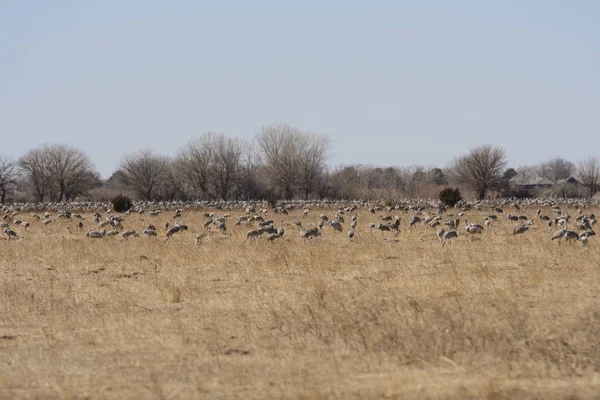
(572, 180)
(529, 182)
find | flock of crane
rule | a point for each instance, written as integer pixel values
(445, 222)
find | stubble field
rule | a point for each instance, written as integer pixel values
(500, 316)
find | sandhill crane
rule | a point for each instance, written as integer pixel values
(558, 235)
(253, 234)
(520, 229)
(10, 233)
(415, 220)
(440, 234)
(310, 233)
(372, 226)
(25, 225)
(151, 227)
(570, 235)
(80, 225)
(273, 236)
(221, 227)
(128, 233)
(448, 236)
(450, 224)
(383, 228)
(336, 225)
(473, 228)
(150, 232)
(94, 234)
(171, 232)
(281, 230)
(268, 229)
(339, 218)
(305, 212)
(513, 217)
(351, 234)
(298, 224)
(584, 236)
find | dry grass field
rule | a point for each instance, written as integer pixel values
(501, 316)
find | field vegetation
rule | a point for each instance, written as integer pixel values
(494, 316)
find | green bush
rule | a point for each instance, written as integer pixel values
(449, 196)
(121, 203)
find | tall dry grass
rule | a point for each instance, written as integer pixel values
(497, 317)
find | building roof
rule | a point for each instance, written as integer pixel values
(533, 180)
(571, 179)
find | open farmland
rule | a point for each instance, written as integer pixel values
(495, 315)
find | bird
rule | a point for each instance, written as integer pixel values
(383, 228)
(558, 235)
(10, 233)
(150, 232)
(171, 232)
(415, 220)
(125, 235)
(570, 235)
(309, 233)
(253, 234)
(281, 230)
(473, 228)
(273, 236)
(448, 236)
(336, 225)
(440, 234)
(584, 236)
(520, 229)
(351, 234)
(94, 234)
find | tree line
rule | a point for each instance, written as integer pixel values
(282, 162)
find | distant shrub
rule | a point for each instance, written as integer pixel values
(121, 203)
(449, 196)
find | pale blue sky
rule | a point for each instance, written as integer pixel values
(391, 82)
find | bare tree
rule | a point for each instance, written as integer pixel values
(589, 174)
(144, 171)
(193, 162)
(481, 169)
(250, 186)
(58, 172)
(279, 147)
(226, 164)
(292, 158)
(312, 153)
(556, 169)
(212, 165)
(8, 177)
(70, 170)
(33, 164)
